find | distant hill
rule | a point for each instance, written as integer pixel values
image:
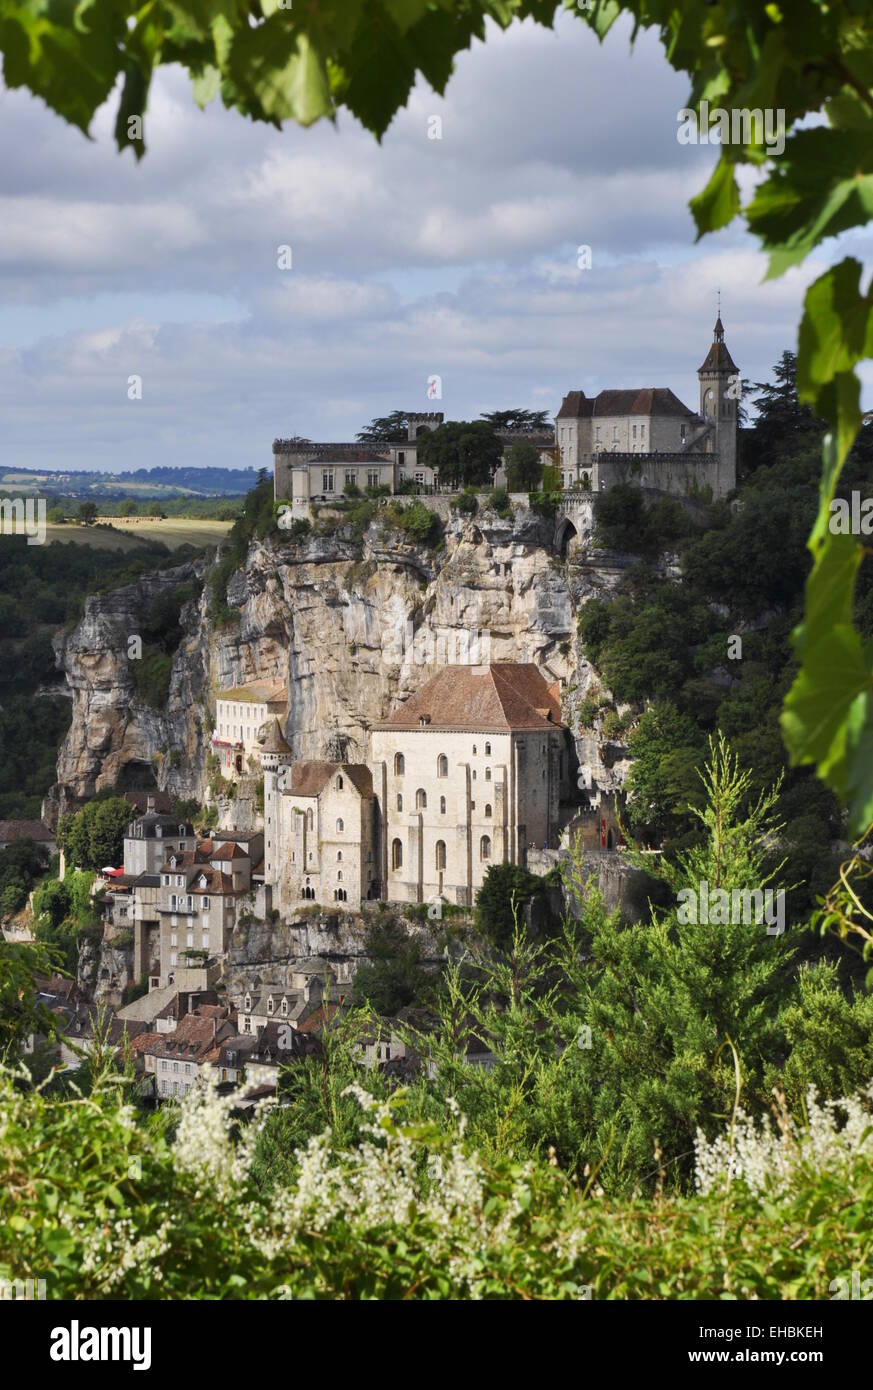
(142, 483)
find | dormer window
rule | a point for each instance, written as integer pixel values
(248, 1003)
(284, 1004)
(270, 1004)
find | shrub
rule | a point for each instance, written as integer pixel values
(498, 499)
(467, 502)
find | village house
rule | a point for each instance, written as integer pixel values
(174, 1062)
(240, 715)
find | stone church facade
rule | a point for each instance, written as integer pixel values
(470, 771)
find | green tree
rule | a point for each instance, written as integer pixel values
(394, 976)
(128, 507)
(463, 453)
(505, 891)
(524, 469)
(385, 429)
(517, 419)
(87, 512)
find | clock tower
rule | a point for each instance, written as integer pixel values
(719, 399)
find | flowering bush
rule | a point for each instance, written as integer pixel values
(119, 1207)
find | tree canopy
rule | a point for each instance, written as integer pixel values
(465, 453)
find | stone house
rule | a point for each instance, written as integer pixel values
(200, 896)
(319, 829)
(240, 715)
(176, 1061)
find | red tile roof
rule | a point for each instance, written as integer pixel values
(484, 699)
(639, 400)
(308, 779)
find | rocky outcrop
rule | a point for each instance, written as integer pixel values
(353, 627)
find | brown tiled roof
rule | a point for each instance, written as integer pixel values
(229, 850)
(24, 830)
(308, 779)
(274, 740)
(195, 1039)
(487, 699)
(638, 400)
(139, 800)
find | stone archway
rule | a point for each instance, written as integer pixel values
(565, 532)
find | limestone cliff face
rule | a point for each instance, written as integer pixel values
(352, 627)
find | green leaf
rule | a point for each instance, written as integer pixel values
(816, 707)
(820, 186)
(719, 201)
(859, 761)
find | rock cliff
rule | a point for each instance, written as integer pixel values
(353, 625)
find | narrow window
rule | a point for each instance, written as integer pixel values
(396, 855)
(440, 855)
(421, 799)
(485, 847)
(442, 765)
(399, 765)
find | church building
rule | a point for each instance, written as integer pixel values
(470, 771)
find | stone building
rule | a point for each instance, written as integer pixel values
(469, 772)
(646, 435)
(201, 891)
(319, 823)
(642, 435)
(133, 900)
(240, 715)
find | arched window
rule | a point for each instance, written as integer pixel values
(485, 847)
(339, 784)
(339, 856)
(399, 802)
(440, 854)
(487, 774)
(421, 799)
(487, 750)
(487, 811)
(399, 764)
(442, 765)
(339, 826)
(339, 877)
(474, 750)
(442, 805)
(396, 854)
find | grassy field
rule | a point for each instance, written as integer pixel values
(127, 532)
(173, 531)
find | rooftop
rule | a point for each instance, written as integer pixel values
(308, 779)
(257, 692)
(637, 400)
(502, 696)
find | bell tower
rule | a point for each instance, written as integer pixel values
(719, 398)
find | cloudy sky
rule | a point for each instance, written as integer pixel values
(455, 257)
